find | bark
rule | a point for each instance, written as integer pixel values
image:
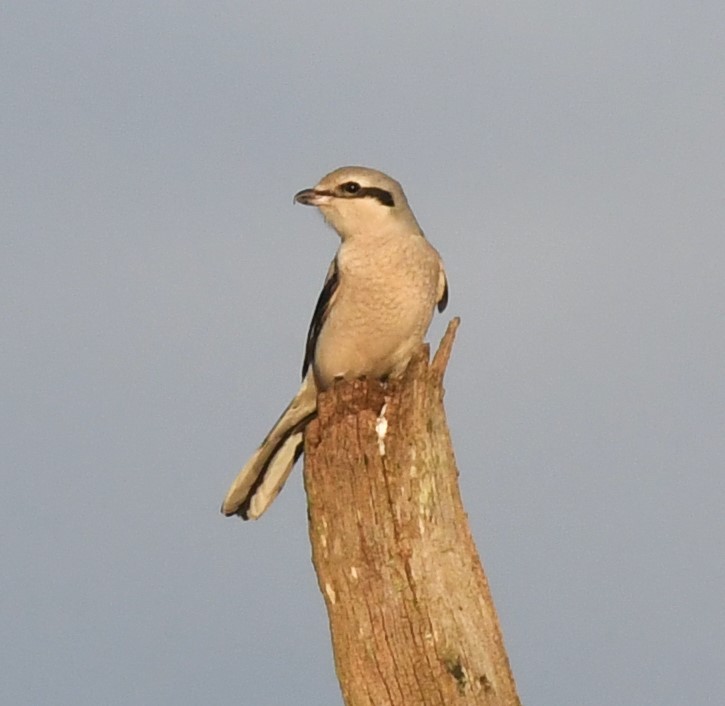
(411, 614)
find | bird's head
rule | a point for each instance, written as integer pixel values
(360, 201)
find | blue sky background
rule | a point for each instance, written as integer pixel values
(156, 283)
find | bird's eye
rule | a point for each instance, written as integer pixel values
(351, 187)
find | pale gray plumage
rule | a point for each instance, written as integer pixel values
(373, 312)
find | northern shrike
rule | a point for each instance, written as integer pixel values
(374, 310)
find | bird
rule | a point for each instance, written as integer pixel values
(376, 304)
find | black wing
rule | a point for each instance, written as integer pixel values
(443, 301)
(318, 318)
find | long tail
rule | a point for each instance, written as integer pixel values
(263, 476)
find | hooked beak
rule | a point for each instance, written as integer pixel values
(310, 197)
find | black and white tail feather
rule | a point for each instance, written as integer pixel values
(263, 476)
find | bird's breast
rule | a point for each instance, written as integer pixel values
(382, 309)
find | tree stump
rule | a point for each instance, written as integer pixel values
(411, 615)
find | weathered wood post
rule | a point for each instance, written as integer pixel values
(411, 615)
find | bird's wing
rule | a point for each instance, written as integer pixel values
(321, 310)
(442, 290)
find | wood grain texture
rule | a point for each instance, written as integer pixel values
(411, 615)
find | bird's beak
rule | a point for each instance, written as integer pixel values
(311, 197)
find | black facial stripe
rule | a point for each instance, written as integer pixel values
(385, 197)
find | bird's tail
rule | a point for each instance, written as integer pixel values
(263, 476)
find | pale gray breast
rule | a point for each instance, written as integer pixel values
(383, 307)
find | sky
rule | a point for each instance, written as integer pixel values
(156, 283)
